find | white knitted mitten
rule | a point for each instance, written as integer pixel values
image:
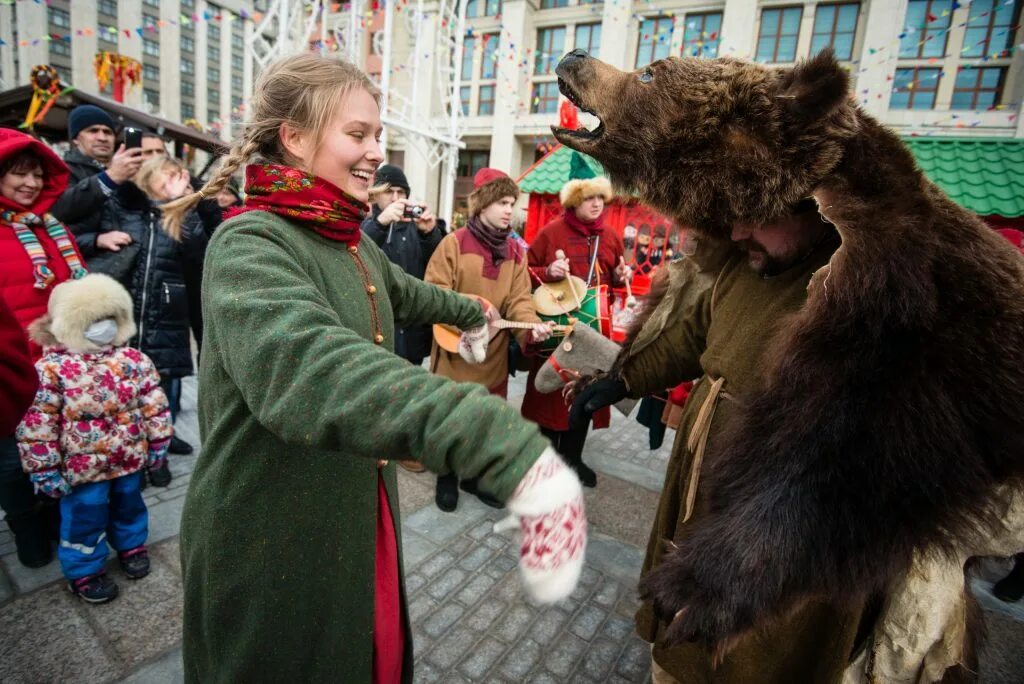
(473, 344)
(547, 506)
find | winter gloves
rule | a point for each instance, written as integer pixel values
(50, 483)
(603, 391)
(548, 508)
(473, 344)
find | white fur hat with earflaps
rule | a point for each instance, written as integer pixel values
(75, 305)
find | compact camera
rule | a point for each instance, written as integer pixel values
(413, 211)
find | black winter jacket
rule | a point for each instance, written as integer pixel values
(158, 281)
(81, 206)
(410, 249)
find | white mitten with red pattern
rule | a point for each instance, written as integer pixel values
(547, 506)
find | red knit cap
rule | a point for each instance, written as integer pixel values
(487, 175)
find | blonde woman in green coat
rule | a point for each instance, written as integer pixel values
(290, 534)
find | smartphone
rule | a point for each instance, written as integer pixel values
(132, 137)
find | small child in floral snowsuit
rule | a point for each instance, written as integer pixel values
(99, 417)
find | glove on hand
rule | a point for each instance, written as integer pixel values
(51, 483)
(597, 394)
(547, 506)
(473, 345)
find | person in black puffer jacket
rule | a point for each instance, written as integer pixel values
(157, 283)
(406, 242)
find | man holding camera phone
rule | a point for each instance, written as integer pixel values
(408, 233)
(98, 166)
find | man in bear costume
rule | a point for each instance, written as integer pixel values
(882, 421)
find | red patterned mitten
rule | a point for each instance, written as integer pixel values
(548, 508)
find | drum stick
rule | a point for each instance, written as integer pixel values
(560, 255)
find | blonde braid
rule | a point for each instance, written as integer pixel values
(174, 212)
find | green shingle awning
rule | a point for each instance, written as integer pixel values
(984, 175)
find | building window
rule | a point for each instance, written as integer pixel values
(150, 72)
(545, 97)
(835, 27)
(483, 8)
(151, 3)
(915, 88)
(107, 7)
(150, 20)
(236, 102)
(188, 66)
(701, 34)
(236, 82)
(925, 29)
(552, 4)
(990, 28)
(489, 62)
(978, 87)
(237, 63)
(213, 96)
(779, 31)
(64, 75)
(188, 4)
(188, 44)
(471, 161)
(188, 111)
(107, 33)
(152, 96)
(213, 31)
(237, 41)
(550, 46)
(60, 18)
(188, 89)
(212, 115)
(150, 47)
(468, 47)
(464, 95)
(485, 104)
(588, 37)
(212, 75)
(213, 53)
(60, 47)
(655, 40)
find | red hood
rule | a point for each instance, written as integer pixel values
(55, 172)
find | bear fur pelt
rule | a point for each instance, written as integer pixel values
(891, 409)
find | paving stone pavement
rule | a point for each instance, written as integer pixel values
(471, 620)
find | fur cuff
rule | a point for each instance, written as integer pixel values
(547, 485)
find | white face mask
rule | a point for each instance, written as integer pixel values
(102, 332)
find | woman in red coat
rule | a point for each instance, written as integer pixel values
(36, 253)
(592, 251)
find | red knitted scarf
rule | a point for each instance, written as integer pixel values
(312, 201)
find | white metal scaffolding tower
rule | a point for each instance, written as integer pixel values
(430, 122)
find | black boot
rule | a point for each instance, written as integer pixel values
(31, 538)
(588, 478)
(179, 446)
(160, 477)
(446, 496)
(1011, 587)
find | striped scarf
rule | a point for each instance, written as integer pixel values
(21, 222)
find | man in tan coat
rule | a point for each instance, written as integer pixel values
(714, 323)
(480, 260)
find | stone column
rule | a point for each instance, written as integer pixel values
(129, 16)
(883, 26)
(506, 153)
(170, 60)
(32, 21)
(740, 20)
(83, 47)
(617, 30)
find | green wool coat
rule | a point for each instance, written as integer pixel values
(296, 406)
(717, 322)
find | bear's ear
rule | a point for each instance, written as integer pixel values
(814, 87)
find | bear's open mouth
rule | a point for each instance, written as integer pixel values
(574, 97)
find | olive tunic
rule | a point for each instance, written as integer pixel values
(717, 323)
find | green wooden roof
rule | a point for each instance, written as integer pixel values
(985, 175)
